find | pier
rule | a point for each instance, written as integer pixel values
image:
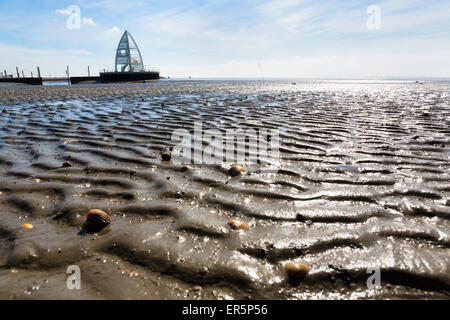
(129, 67)
(24, 80)
(105, 77)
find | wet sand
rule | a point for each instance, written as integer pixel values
(364, 182)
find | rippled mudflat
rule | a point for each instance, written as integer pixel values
(363, 183)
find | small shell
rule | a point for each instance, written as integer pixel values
(66, 164)
(236, 170)
(36, 180)
(153, 167)
(27, 226)
(96, 220)
(185, 168)
(296, 270)
(236, 224)
(166, 154)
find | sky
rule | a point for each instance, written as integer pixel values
(232, 39)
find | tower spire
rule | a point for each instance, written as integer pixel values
(128, 56)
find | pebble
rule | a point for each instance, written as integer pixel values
(236, 170)
(67, 164)
(261, 253)
(236, 224)
(296, 270)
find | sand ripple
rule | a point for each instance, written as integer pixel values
(364, 182)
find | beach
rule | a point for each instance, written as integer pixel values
(362, 186)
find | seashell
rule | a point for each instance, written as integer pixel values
(96, 220)
(179, 194)
(36, 180)
(236, 170)
(236, 224)
(296, 270)
(66, 164)
(27, 226)
(185, 168)
(153, 167)
(166, 155)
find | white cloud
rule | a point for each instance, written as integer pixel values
(8, 49)
(291, 38)
(276, 6)
(178, 24)
(112, 30)
(50, 61)
(64, 12)
(353, 63)
(113, 5)
(89, 22)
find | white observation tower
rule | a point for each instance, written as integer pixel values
(129, 65)
(128, 56)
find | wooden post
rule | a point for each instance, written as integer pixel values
(17, 71)
(39, 72)
(32, 74)
(68, 76)
(23, 74)
(89, 72)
